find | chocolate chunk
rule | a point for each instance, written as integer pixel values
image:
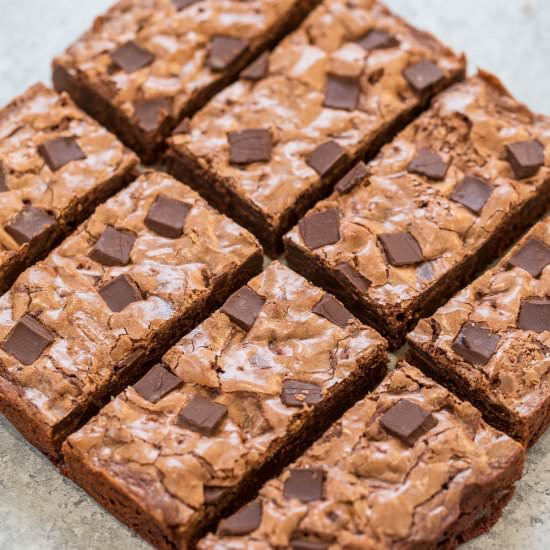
(423, 76)
(401, 249)
(534, 315)
(332, 310)
(258, 69)
(151, 113)
(353, 277)
(473, 193)
(157, 383)
(224, 51)
(181, 4)
(341, 93)
(3, 186)
(113, 247)
(428, 163)
(308, 544)
(213, 494)
(377, 39)
(475, 344)
(326, 157)
(167, 216)
(533, 257)
(305, 484)
(320, 229)
(249, 146)
(242, 522)
(130, 57)
(202, 415)
(296, 393)
(407, 421)
(184, 127)
(60, 151)
(526, 157)
(243, 307)
(29, 224)
(28, 339)
(120, 292)
(356, 175)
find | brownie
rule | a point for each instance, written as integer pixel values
(400, 235)
(232, 403)
(491, 342)
(56, 166)
(81, 325)
(269, 146)
(145, 65)
(409, 467)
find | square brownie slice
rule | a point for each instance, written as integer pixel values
(266, 148)
(56, 166)
(440, 202)
(78, 327)
(410, 466)
(236, 399)
(491, 342)
(147, 64)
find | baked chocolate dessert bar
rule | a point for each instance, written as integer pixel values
(444, 199)
(146, 64)
(233, 402)
(491, 343)
(56, 166)
(269, 146)
(409, 467)
(81, 325)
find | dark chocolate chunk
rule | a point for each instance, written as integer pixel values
(29, 224)
(308, 544)
(243, 307)
(326, 157)
(407, 421)
(213, 494)
(119, 293)
(296, 393)
(428, 163)
(157, 383)
(534, 314)
(3, 186)
(151, 113)
(184, 127)
(320, 229)
(28, 339)
(242, 522)
(356, 175)
(202, 415)
(423, 76)
(181, 4)
(130, 57)
(533, 257)
(60, 151)
(526, 157)
(401, 249)
(341, 93)
(473, 193)
(258, 69)
(377, 39)
(305, 484)
(475, 344)
(353, 277)
(333, 310)
(224, 51)
(167, 216)
(113, 247)
(249, 146)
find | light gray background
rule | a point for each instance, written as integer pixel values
(39, 509)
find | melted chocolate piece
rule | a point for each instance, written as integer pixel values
(475, 344)
(157, 383)
(320, 229)
(27, 340)
(243, 307)
(407, 421)
(202, 415)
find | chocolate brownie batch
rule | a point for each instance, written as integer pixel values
(211, 399)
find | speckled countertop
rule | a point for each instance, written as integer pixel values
(39, 509)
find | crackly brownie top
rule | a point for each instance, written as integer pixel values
(71, 319)
(394, 472)
(151, 57)
(51, 155)
(247, 375)
(496, 332)
(334, 84)
(434, 195)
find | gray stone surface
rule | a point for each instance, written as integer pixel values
(39, 509)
